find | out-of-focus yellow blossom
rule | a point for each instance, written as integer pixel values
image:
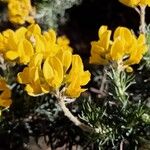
(5, 94)
(19, 11)
(134, 3)
(125, 48)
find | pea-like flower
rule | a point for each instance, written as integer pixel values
(5, 94)
(32, 77)
(51, 65)
(77, 77)
(48, 75)
(22, 44)
(101, 48)
(134, 3)
(49, 61)
(125, 48)
(15, 46)
(19, 11)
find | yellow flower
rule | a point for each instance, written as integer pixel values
(137, 51)
(134, 3)
(50, 63)
(25, 50)
(42, 43)
(50, 36)
(117, 50)
(19, 11)
(5, 94)
(42, 76)
(22, 44)
(125, 49)
(50, 43)
(100, 48)
(53, 72)
(77, 77)
(2, 44)
(74, 89)
(15, 46)
(64, 42)
(32, 30)
(11, 41)
(47, 75)
(64, 52)
(31, 76)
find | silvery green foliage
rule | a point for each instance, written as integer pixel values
(49, 109)
(50, 13)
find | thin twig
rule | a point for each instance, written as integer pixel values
(94, 90)
(102, 87)
(121, 145)
(137, 10)
(102, 90)
(141, 11)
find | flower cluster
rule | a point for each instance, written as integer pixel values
(19, 11)
(5, 94)
(134, 3)
(22, 44)
(125, 49)
(50, 62)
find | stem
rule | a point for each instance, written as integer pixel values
(119, 87)
(71, 117)
(137, 10)
(142, 27)
(121, 145)
(103, 88)
(103, 83)
(120, 83)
